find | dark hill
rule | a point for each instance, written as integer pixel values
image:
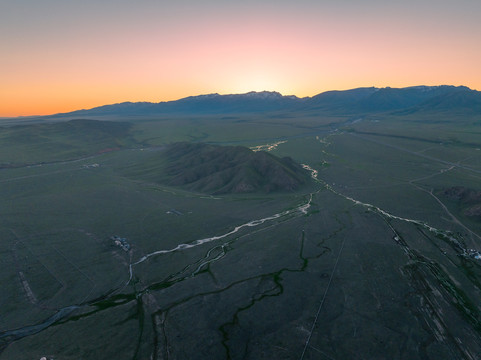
(468, 200)
(221, 169)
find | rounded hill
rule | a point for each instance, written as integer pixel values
(214, 169)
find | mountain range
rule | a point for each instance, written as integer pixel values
(361, 100)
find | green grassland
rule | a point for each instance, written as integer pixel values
(372, 268)
(48, 142)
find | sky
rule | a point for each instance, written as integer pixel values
(64, 55)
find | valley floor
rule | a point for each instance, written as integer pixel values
(370, 262)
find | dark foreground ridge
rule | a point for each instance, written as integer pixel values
(214, 169)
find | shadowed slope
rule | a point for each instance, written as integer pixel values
(468, 200)
(221, 169)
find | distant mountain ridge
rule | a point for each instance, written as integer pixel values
(208, 104)
(388, 99)
(360, 100)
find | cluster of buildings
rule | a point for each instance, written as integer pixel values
(473, 254)
(121, 242)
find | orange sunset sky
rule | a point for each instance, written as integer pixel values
(59, 55)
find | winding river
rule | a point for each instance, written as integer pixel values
(16, 334)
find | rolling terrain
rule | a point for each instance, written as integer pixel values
(214, 169)
(160, 231)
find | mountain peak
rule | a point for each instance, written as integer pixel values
(264, 94)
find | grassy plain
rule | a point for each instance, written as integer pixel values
(373, 268)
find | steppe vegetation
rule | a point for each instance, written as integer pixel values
(375, 256)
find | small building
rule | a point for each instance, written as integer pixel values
(120, 242)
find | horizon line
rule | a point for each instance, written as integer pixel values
(234, 94)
